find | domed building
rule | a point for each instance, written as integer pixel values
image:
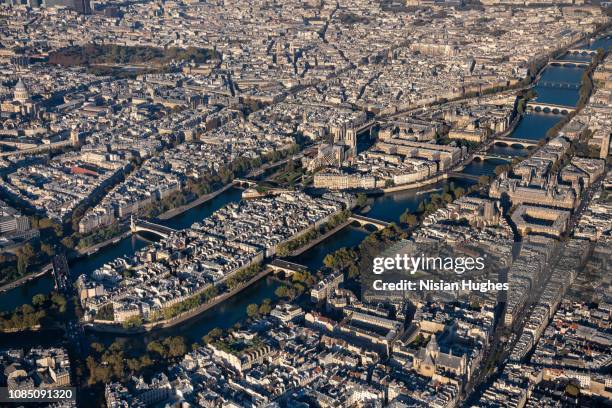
(21, 103)
(21, 94)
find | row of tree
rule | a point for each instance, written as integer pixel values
(93, 54)
(298, 242)
(188, 304)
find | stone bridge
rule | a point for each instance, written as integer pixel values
(363, 221)
(582, 51)
(244, 182)
(137, 225)
(515, 142)
(366, 127)
(549, 108)
(486, 155)
(281, 265)
(569, 63)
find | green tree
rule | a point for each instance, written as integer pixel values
(24, 256)
(282, 291)
(265, 308)
(213, 334)
(340, 259)
(353, 271)
(572, 390)
(68, 242)
(252, 310)
(47, 249)
(156, 347)
(97, 347)
(38, 300)
(483, 180)
(408, 218)
(59, 301)
(459, 192)
(27, 309)
(116, 346)
(176, 346)
(132, 322)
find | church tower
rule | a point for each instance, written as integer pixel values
(75, 137)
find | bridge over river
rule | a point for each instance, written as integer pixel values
(515, 141)
(364, 221)
(549, 108)
(137, 225)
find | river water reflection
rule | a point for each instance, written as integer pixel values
(386, 207)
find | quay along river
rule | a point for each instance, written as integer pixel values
(557, 85)
(387, 207)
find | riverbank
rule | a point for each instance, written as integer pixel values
(417, 184)
(165, 216)
(16, 283)
(389, 206)
(183, 317)
(457, 167)
(320, 239)
(36, 328)
(95, 248)
(200, 200)
(510, 88)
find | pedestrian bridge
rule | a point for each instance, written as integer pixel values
(466, 176)
(363, 221)
(138, 225)
(560, 85)
(550, 108)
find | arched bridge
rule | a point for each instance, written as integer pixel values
(137, 225)
(366, 126)
(550, 108)
(583, 51)
(569, 63)
(281, 265)
(488, 155)
(363, 221)
(515, 142)
(244, 182)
